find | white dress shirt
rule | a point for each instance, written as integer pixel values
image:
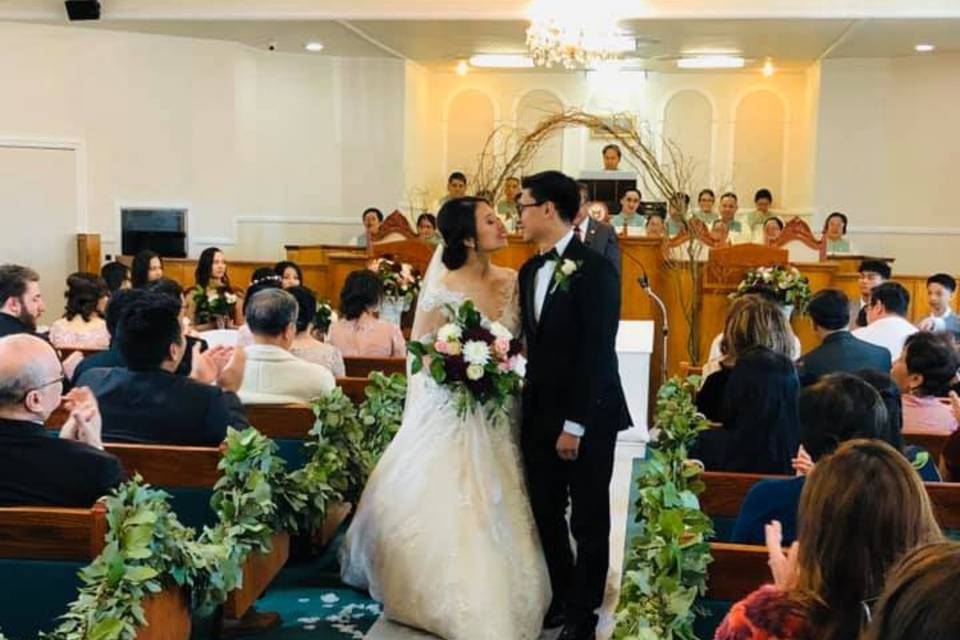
(542, 282)
(890, 332)
(273, 375)
(939, 322)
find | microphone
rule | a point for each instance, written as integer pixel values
(643, 279)
(644, 282)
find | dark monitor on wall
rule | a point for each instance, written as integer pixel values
(160, 230)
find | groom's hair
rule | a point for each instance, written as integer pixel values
(555, 187)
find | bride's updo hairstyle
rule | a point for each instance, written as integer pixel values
(457, 221)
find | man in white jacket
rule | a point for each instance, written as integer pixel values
(273, 375)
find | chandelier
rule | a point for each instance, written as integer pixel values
(572, 43)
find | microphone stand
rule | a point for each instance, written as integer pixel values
(664, 323)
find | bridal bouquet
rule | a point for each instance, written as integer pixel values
(477, 360)
(400, 279)
(213, 303)
(791, 287)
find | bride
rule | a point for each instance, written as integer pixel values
(444, 536)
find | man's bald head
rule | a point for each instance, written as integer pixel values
(26, 362)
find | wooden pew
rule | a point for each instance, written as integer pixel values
(294, 421)
(932, 442)
(51, 533)
(363, 367)
(196, 467)
(736, 570)
(725, 492)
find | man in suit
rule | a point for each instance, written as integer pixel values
(599, 236)
(21, 304)
(573, 403)
(36, 469)
(273, 375)
(839, 350)
(940, 290)
(146, 401)
(872, 273)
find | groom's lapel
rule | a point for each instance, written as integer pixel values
(552, 289)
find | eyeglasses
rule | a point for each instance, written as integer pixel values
(521, 206)
(59, 379)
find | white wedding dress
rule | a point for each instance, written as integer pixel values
(444, 535)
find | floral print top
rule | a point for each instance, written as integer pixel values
(769, 613)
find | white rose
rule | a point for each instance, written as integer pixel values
(568, 267)
(474, 372)
(230, 298)
(454, 348)
(449, 332)
(476, 352)
(213, 297)
(518, 364)
(500, 332)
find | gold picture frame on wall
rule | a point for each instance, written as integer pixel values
(622, 121)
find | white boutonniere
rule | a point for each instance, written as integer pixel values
(566, 269)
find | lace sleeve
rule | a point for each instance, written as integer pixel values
(430, 311)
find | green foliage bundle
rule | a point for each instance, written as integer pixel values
(666, 565)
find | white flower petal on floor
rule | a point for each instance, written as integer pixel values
(329, 598)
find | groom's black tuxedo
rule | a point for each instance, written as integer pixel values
(572, 375)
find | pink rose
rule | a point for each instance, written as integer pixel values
(441, 347)
(501, 346)
(503, 366)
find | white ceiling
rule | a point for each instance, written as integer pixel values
(435, 32)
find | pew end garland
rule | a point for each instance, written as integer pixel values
(147, 548)
(666, 565)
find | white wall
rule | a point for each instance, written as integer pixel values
(647, 99)
(264, 148)
(888, 153)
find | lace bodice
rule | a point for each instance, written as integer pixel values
(431, 304)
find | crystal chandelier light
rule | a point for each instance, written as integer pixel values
(571, 43)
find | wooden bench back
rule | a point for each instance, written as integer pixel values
(736, 570)
(932, 442)
(725, 492)
(170, 466)
(363, 367)
(52, 533)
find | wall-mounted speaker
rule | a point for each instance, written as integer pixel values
(83, 9)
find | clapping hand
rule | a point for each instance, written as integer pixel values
(84, 422)
(783, 566)
(955, 404)
(803, 463)
(206, 366)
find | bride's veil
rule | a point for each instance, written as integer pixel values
(425, 319)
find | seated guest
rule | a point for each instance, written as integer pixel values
(116, 275)
(305, 345)
(761, 431)
(111, 357)
(893, 435)
(456, 186)
(862, 508)
(290, 274)
(147, 267)
(720, 232)
(839, 350)
(838, 408)
(21, 304)
(834, 232)
(35, 469)
(757, 218)
(358, 333)
(82, 325)
(924, 372)
(728, 213)
(597, 235)
(752, 321)
(273, 375)
(705, 212)
(772, 228)
(940, 290)
(506, 208)
(912, 605)
(260, 280)
(213, 301)
(872, 274)
(887, 326)
(716, 354)
(655, 227)
(146, 401)
(427, 228)
(372, 219)
(629, 215)
(677, 214)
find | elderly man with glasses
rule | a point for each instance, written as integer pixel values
(35, 468)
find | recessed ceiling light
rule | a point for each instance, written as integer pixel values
(711, 62)
(462, 68)
(924, 48)
(313, 46)
(501, 61)
(768, 68)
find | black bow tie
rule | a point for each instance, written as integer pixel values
(543, 258)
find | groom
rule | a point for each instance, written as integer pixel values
(573, 403)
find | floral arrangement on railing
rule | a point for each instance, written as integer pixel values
(666, 564)
(400, 280)
(147, 548)
(791, 287)
(478, 361)
(214, 304)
